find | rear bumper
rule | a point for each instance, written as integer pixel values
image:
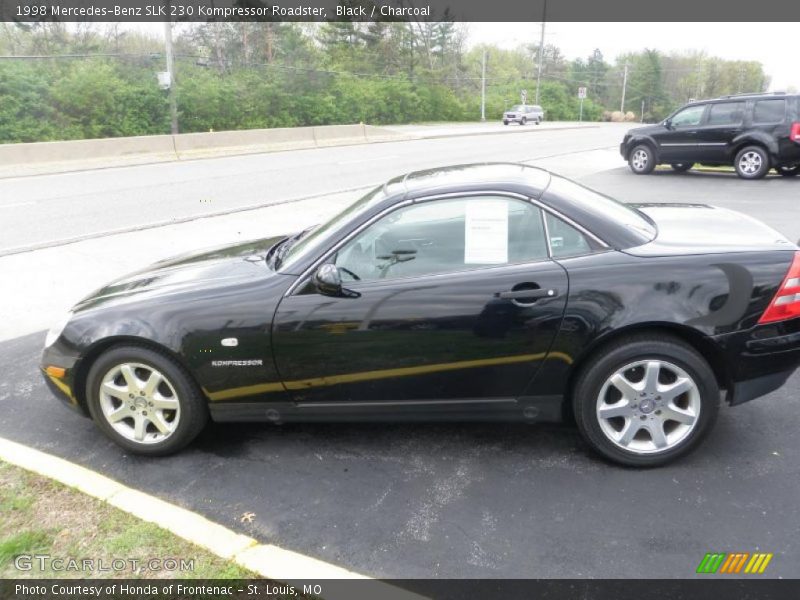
(761, 359)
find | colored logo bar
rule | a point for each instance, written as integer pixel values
(734, 562)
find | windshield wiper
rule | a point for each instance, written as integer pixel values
(279, 251)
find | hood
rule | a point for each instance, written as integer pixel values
(646, 130)
(208, 269)
(705, 229)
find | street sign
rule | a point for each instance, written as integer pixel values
(523, 96)
(581, 93)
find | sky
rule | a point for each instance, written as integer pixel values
(768, 43)
(772, 44)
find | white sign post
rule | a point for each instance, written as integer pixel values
(523, 96)
(581, 95)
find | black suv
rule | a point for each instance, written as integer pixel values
(752, 132)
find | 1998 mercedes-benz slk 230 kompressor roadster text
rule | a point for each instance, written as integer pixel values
(477, 292)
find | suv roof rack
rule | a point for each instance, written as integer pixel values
(781, 93)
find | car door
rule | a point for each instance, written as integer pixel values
(723, 122)
(678, 140)
(450, 300)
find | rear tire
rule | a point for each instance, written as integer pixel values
(681, 167)
(144, 401)
(789, 171)
(646, 400)
(752, 162)
(642, 160)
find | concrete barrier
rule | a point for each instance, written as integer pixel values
(160, 146)
(24, 158)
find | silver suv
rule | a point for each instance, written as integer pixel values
(522, 113)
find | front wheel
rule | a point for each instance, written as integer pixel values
(538, 121)
(523, 121)
(646, 401)
(752, 162)
(681, 167)
(789, 171)
(144, 401)
(505, 122)
(642, 160)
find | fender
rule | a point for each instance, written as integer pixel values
(758, 138)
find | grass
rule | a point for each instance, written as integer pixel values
(39, 516)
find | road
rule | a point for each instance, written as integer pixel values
(44, 209)
(404, 500)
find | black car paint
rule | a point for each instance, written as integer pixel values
(694, 144)
(449, 350)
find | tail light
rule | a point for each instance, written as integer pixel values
(786, 303)
(794, 135)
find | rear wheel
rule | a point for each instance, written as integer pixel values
(752, 162)
(789, 171)
(642, 160)
(681, 167)
(646, 401)
(144, 401)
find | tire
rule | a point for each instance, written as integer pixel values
(505, 122)
(642, 160)
(538, 121)
(681, 167)
(523, 121)
(789, 171)
(752, 162)
(136, 427)
(622, 363)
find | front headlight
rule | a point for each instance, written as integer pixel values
(56, 330)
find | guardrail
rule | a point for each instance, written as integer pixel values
(195, 145)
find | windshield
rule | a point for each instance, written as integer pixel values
(299, 247)
(518, 107)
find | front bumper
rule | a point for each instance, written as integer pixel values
(62, 387)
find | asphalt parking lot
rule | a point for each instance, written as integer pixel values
(460, 501)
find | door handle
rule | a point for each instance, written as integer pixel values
(534, 293)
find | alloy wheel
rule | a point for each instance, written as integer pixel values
(648, 406)
(139, 402)
(750, 162)
(639, 160)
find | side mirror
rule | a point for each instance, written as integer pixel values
(668, 123)
(327, 280)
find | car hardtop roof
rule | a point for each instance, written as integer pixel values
(743, 96)
(531, 181)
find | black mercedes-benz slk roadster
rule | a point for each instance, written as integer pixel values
(493, 292)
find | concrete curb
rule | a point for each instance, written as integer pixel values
(267, 560)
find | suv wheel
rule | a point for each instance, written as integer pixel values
(752, 162)
(789, 171)
(523, 121)
(144, 401)
(646, 400)
(681, 167)
(505, 122)
(538, 121)
(642, 160)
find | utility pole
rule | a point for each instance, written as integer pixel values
(173, 103)
(541, 52)
(483, 88)
(642, 110)
(624, 86)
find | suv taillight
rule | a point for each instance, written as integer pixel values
(795, 133)
(786, 303)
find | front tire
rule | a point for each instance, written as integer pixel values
(681, 167)
(505, 122)
(752, 162)
(642, 160)
(523, 121)
(144, 401)
(789, 171)
(646, 401)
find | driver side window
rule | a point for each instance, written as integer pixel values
(689, 117)
(442, 236)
